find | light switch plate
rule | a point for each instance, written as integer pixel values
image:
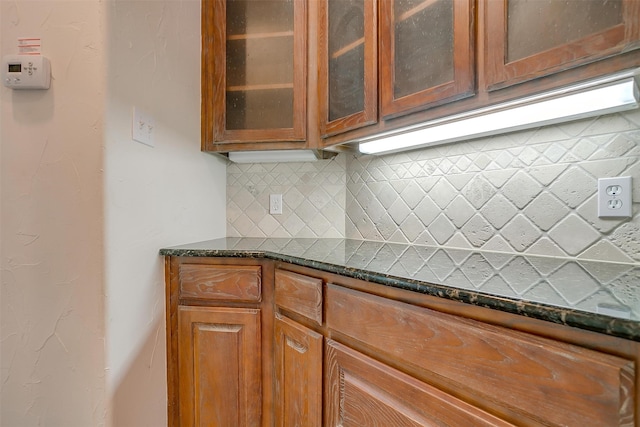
(142, 127)
(614, 197)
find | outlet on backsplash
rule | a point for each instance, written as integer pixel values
(275, 204)
(614, 197)
(530, 192)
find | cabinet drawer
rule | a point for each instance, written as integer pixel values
(299, 294)
(360, 390)
(539, 379)
(241, 283)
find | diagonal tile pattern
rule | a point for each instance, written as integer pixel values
(584, 285)
(313, 196)
(527, 192)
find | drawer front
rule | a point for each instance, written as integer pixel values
(362, 392)
(299, 294)
(548, 382)
(242, 283)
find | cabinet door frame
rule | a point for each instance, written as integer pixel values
(238, 327)
(500, 74)
(463, 83)
(369, 114)
(213, 84)
(298, 374)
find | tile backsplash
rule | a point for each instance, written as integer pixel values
(530, 192)
(313, 199)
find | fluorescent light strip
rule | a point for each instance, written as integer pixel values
(540, 110)
(272, 156)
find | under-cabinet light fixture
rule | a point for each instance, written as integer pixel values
(275, 156)
(603, 96)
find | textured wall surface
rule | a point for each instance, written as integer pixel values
(154, 197)
(514, 197)
(85, 209)
(530, 192)
(52, 317)
(313, 196)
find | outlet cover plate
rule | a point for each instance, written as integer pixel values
(275, 204)
(614, 197)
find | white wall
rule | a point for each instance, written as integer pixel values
(85, 209)
(154, 197)
(52, 320)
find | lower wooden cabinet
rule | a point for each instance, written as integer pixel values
(519, 375)
(298, 375)
(289, 346)
(361, 391)
(219, 366)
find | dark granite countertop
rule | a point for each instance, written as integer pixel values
(597, 296)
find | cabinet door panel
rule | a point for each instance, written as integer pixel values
(219, 366)
(360, 391)
(426, 53)
(254, 71)
(348, 65)
(527, 40)
(298, 352)
(543, 380)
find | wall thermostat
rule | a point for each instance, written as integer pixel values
(26, 72)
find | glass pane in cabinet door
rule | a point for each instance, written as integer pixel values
(346, 58)
(260, 109)
(536, 26)
(423, 45)
(259, 64)
(259, 16)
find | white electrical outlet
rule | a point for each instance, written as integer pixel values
(275, 204)
(142, 127)
(614, 197)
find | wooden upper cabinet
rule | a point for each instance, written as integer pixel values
(530, 39)
(254, 72)
(426, 53)
(348, 69)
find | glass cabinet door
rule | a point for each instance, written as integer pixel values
(426, 53)
(529, 39)
(347, 65)
(256, 61)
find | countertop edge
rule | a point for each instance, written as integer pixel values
(594, 322)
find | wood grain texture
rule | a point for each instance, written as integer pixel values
(221, 282)
(369, 113)
(461, 86)
(489, 56)
(360, 391)
(209, 83)
(171, 267)
(298, 375)
(550, 383)
(592, 47)
(215, 135)
(488, 359)
(219, 366)
(299, 294)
